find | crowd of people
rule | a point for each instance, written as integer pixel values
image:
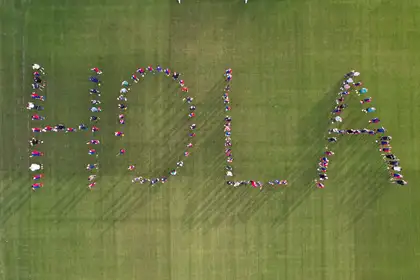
(228, 144)
(350, 86)
(95, 109)
(136, 77)
(38, 86)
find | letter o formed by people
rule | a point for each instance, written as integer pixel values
(137, 77)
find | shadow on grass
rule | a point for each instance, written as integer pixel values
(368, 186)
(15, 196)
(311, 145)
(135, 197)
(212, 204)
(66, 198)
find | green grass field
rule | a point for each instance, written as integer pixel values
(287, 57)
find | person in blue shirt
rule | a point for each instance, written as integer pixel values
(94, 118)
(95, 80)
(95, 109)
(91, 166)
(381, 130)
(369, 110)
(83, 127)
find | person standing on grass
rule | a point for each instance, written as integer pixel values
(374, 120)
(119, 134)
(94, 91)
(124, 90)
(136, 179)
(395, 168)
(36, 154)
(122, 106)
(366, 100)
(35, 167)
(91, 166)
(390, 156)
(94, 129)
(70, 129)
(96, 70)
(38, 177)
(91, 178)
(386, 150)
(37, 117)
(94, 109)
(400, 182)
(122, 98)
(188, 99)
(175, 76)
(369, 110)
(94, 119)
(49, 128)
(381, 130)
(91, 185)
(38, 67)
(37, 186)
(389, 138)
(33, 142)
(83, 127)
(36, 96)
(95, 80)
(363, 91)
(93, 142)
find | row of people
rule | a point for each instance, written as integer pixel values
(38, 85)
(347, 87)
(139, 74)
(228, 144)
(95, 108)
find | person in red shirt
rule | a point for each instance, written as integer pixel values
(119, 134)
(91, 185)
(48, 128)
(135, 78)
(96, 70)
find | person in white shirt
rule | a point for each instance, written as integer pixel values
(35, 167)
(38, 67)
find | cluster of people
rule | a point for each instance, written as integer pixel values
(95, 108)
(349, 86)
(38, 85)
(123, 106)
(228, 144)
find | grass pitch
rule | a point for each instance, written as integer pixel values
(287, 57)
